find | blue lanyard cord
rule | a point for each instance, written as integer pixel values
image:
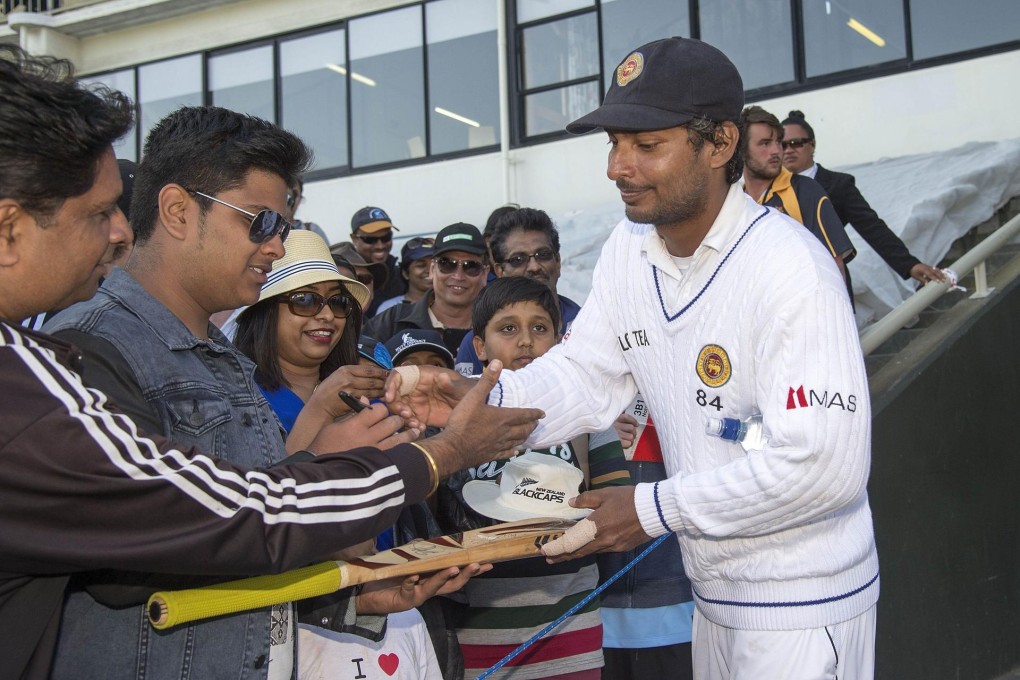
(570, 612)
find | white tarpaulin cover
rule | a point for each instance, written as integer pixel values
(929, 200)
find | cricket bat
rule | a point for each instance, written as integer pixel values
(499, 543)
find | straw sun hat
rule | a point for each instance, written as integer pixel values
(308, 261)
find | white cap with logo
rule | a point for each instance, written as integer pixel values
(531, 485)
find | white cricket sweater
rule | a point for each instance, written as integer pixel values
(778, 539)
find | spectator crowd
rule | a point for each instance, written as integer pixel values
(172, 415)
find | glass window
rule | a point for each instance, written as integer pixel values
(550, 111)
(387, 80)
(851, 33)
(939, 27)
(530, 10)
(755, 34)
(313, 86)
(628, 24)
(166, 86)
(126, 146)
(560, 50)
(242, 81)
(463, 74)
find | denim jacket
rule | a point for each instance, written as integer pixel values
(203, 393)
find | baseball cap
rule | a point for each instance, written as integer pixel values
(531, 485)
(375, 351)
(667, 83)
(416, 249)
(460, 236)
(418, 340)
(346, 252)
(370, 220)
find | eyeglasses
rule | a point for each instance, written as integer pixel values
(519, 260)
(372, 240)
(265, 224)
(448, 265)
(797, 142)
(307, 303)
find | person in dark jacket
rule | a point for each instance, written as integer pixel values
(853, 209)
(81, 488)
(372, 236)
(459, 271)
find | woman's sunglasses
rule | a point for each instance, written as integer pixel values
(307, 303)
(447, 265)
(265, 224)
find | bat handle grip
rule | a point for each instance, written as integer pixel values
(174, 607)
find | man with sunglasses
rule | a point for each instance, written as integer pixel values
(853, 209)
(769, 183)
(372, 236)
(209, 207)
(524, 242)
(459, 272)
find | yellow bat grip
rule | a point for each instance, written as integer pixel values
(171, 608)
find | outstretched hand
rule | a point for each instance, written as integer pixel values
(425, 395)
(616, 526)
(386, 597)
(476, 432)
(373, 427)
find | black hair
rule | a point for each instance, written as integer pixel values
(256, 338)
(797, 118)
(510, 290)
(55, 131)
(494, 216)
(701, 130)
(524, 219)
(210, 149)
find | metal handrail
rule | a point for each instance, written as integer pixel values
(888, 325)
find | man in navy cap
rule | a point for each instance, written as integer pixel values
(372, 236)
(716, 307)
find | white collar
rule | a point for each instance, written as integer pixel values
(730, 221)
(810, 172)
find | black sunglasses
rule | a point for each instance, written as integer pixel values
(372, 240)
(307, 303)
(470, 268)
(519, 260)
(796, 143)
(265, 224)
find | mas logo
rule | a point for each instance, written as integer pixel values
(713, 366)
(630, 68)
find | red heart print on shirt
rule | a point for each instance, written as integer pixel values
(389, 663)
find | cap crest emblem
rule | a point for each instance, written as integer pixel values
(630, 68)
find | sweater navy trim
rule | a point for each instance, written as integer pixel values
(499, 384)
(658, 289)
(658, 508)
(804, 603)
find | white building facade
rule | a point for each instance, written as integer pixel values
(441, 110)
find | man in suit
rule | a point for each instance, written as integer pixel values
(850, 205)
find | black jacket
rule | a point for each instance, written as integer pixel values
(416, 315)
(79, 486)
(853, 209)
